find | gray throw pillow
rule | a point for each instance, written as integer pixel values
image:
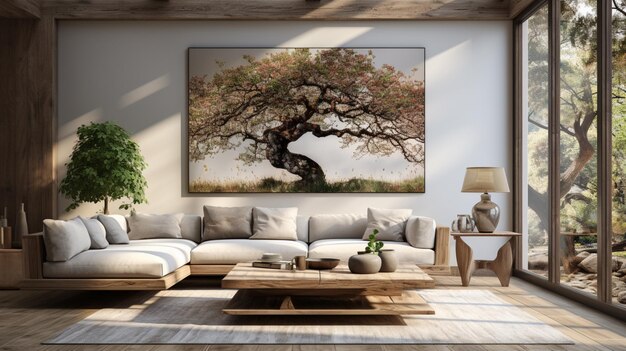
(420, 232)
(274, 223)
(389, 222)
(227, 223)
(65, 239)
(115, 234)
(97, 233)
(152, 226)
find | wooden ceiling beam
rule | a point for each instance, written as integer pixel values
(278, 9)
(19, 9)
(517, 6)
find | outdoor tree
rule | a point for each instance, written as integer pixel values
(578, 172)
(269, 103)
(105, 165)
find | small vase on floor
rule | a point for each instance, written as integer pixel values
(22, 228)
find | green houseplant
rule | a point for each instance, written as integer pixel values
(105, 165)
(374, 245)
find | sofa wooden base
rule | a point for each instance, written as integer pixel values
(108, 284)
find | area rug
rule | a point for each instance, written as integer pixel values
(195, 317)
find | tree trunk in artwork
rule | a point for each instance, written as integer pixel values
(277, 152)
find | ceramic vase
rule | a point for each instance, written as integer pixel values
(364, 263)
(389, 260)
(22, 228)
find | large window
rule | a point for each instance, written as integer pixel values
(618, 98)
(566, 137)
(578, 177)
(535, 109)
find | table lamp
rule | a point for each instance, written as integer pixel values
(485, 180)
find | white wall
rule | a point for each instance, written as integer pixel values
(134, 73)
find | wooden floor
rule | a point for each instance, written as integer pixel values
(29, 317)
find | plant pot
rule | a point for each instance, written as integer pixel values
(389, 260)
(364, 263)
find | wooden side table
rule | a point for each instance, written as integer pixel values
(11, 268)
(502, 265)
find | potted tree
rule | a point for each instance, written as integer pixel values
(105, 165)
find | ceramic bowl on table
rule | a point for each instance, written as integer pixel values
(322, 263)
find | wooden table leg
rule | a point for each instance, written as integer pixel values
(503, 264)
(464, 260)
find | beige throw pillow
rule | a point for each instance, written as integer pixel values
(389, 222)
(65, 239)
(274, 223)
(227, 223)
(152, 226)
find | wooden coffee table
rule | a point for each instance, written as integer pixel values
(327, 292)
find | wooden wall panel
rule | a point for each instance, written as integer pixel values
(19, 9)
(279, 9)
(27, 118)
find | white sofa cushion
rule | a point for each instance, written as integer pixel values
(232, 251)
(149, 258)
(420, 232)
(65, 239)
(336, 226)
(344, 248)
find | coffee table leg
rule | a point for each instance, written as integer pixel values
(465, 261)
(287, 304)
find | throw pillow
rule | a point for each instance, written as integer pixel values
(114, 232)
(227, 223)
(389, 222)
(65, 239)
(152, 226)
(274, 223)
(97, 233)
(420, 232)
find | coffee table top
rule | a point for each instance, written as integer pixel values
(244, 276)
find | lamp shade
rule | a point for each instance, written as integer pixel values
(485, 180)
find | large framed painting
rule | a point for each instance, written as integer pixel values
(306, 120)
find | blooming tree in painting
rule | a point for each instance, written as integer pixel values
(270, 102)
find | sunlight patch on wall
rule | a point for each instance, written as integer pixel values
(326, 37)
(144, 91)
(160, 145)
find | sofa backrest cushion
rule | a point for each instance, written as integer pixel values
(336, 226)
(154, 226)
(420, 232)
(272, 223)
(191, 227)
(302, 228)
(65, 239)
(227, 222)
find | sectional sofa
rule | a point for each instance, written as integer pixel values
(156, 264)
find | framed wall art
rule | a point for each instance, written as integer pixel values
(306, 120)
